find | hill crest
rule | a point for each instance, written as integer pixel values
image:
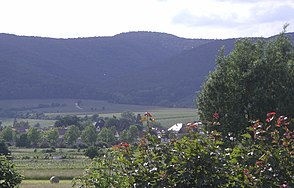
(137, 67)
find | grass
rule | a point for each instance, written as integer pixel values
(166, 116)
(68, 106)
(45, 174)
(32, 122)
(171, 116)
(88, 107)
(45, 184)
(37, 165)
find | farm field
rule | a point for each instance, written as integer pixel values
(165, 116)
(45, 184)
(32, 122)
(37, 166)
(68, 106)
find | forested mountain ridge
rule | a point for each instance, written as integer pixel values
(135, 67)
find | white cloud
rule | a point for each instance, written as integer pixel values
(250, 18)
(185, 18)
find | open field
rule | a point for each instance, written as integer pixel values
(165, 116)
(72, 106)
(37, 167)
(45, 184)
(32, 122)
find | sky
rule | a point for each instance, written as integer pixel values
(208, 19)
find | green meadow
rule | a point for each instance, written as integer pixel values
(165, 116)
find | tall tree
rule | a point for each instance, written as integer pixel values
(23, 141)
(52, 136)
(107, 135)
(133, 133)
(34, 136)
(257, 77)
(89, 135)
(71, 135)
(130, 116)
(7, 134)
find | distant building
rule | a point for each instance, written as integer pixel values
(20, 127)
(176, 128)
(99, 124)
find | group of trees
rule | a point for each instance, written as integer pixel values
(34, 137)
(104, 131)
(247, 144)
(77, 132)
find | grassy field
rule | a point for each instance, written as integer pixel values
(45, 184)
(165, 116)
(69, 106)
(32, 122)
(37, 167)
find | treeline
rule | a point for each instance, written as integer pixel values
(75, 132)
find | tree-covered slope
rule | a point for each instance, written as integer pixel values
(134, 67)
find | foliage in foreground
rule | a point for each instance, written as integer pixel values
(263, 158)
(9, 177)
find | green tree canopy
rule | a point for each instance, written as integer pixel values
(257, 77)
(52, 136)
(3, 148)
(71, 135)
(7, 134)
(133, 133)
(23, 141)
(34, 136)
(67, 121)
(93, 151)
(89, 135)
(107, 135)
(112, 122)
(130, 116)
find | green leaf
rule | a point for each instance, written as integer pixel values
(246, 135)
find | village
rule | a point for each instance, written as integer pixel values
(77, 132)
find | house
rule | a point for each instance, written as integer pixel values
(176, 128)
(99, 124)
(20, 127)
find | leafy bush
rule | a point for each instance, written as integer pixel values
(262, 158)
(3, 148)
(93, 151)
(270, 154)
(9, 177)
